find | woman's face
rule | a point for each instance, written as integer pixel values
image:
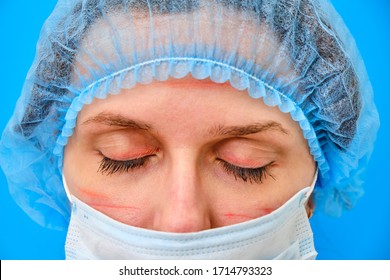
(185, 155)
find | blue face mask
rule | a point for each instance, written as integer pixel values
(282, 234)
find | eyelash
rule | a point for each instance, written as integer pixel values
(253, 175)
(109, 166)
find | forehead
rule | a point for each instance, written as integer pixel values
(188, 105)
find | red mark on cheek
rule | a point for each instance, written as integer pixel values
(265, 211)
(113, 206)
(101, 201)
(244, 217)
(91, 194)
(240, 216)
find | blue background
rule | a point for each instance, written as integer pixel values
(363, 233)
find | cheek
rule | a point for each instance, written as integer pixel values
(243, 210)
(120, 199)
(236, 202)
(124, 206)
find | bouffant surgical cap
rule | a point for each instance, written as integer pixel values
(296, 55)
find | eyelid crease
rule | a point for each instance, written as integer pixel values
(254, 128)
(134, 156)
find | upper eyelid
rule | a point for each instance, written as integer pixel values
(145, 154)
(249, 168)
(127, 160)
(219, 159)
(111, 166)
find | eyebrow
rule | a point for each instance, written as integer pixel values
(117, 120)
(215, 131)
(254, 128)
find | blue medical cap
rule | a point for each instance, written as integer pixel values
(294, 54)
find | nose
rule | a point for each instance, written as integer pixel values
(182, 206)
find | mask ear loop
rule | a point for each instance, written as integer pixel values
(310, 208)
(66, 189)
(308, 196)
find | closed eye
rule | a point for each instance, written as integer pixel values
(110, 166)
(251, 175)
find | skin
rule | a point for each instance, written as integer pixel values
(185, 132)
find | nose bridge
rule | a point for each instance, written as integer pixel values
(183, 207)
